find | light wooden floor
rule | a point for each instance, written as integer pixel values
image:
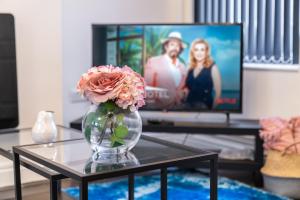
(36, 191)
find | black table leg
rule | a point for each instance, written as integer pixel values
(214, 179)
(83, 186)
(17, 178)
(164, 184)
(257, 177)
(53, 189)
(131, 186)
(58, 186)
(259, 159)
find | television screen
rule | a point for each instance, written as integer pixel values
(187, 67)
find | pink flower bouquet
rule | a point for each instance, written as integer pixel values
(123, 86)
(116, 94)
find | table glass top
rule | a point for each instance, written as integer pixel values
(76, 156)
(23, 137)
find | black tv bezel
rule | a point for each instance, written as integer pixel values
(238, 111)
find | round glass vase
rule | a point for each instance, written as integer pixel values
(111, 130)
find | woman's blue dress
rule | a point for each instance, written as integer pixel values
(200, 89)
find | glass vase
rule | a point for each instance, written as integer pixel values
(110, 129)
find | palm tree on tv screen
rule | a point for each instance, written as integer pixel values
(153, 41)
(131, 53)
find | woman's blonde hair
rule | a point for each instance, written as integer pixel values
(207, 61)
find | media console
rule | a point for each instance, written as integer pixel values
(234, 127)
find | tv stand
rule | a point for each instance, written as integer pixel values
(160, 122)
(209, 120)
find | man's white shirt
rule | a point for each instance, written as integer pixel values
(174, 70)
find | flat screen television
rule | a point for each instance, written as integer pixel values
(187, 67)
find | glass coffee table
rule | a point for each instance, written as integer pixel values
(74, 159)
(19, 137)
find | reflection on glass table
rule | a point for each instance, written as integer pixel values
(20, 137)
(97, 163)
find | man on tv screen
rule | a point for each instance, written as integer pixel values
(165, 74)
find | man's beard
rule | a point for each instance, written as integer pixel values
(173, 54)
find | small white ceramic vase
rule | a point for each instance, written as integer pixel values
(44, 129)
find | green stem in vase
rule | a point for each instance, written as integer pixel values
(103, 131)
(88, 125)
(120, 131)
(111, 128)
(106, 110)
(114, 120)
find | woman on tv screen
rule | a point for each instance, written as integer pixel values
(203, 77)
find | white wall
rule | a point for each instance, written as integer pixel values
(39, 58)
(271, 93)
(79, 15)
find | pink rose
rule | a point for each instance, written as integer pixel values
(121, 85)
(100, 85)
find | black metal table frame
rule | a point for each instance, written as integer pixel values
(83, 180)
(53, 177)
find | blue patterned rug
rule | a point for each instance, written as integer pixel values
(181, 185)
